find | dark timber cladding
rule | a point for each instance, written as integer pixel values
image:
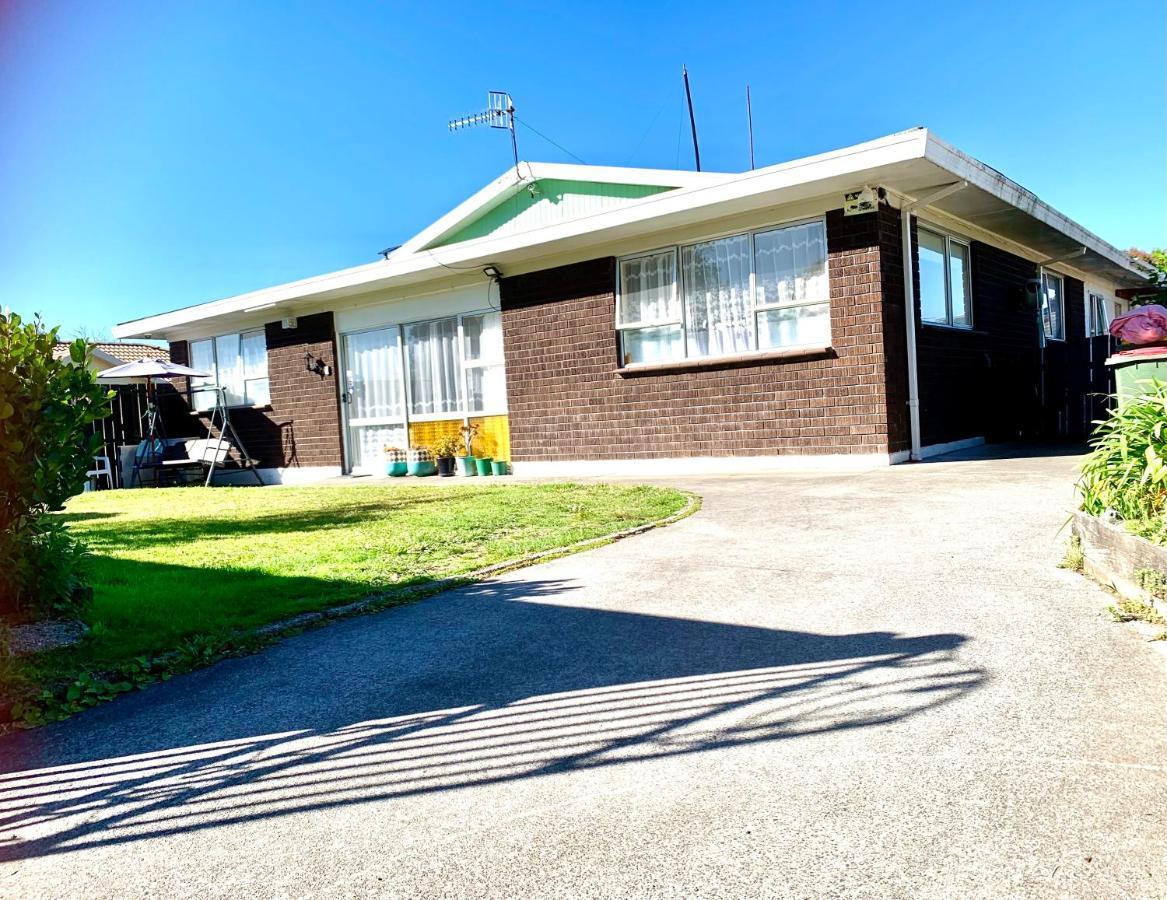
(301, 427)
(988, 380)
(568, 401)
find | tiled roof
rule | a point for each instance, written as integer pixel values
(121, 350)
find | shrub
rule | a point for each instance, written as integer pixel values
(46, 406)
(1126, 470)
(446, 446)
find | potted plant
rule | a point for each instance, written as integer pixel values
(466, 463)
(395, 462)
(482, 463)
(444, 450)
(498, 466)
(421, 462)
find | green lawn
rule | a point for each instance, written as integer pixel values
(182, 562)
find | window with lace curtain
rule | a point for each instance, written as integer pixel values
(754, 291)
(235, 363)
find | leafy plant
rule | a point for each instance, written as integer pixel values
(446, 447)
(469, 433)
(1154, 583)
(1135, 611)
(46, 406)
(1126, 470)
(1154, 263)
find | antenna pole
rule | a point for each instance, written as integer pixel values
(750, 120)
(514, 142)
(692, 120)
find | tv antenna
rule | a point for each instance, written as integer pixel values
(499, 113)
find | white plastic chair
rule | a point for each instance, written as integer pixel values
(101, 469)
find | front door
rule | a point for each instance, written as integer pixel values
(374, 395)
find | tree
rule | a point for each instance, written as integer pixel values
(1154, 262)
(46, 406)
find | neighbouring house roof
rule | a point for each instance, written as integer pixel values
(541, 210)
(114, 353)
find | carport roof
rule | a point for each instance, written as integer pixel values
(910, 163)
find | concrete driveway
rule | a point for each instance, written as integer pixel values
(860, 685)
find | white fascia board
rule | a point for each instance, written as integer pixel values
(990, 180)
(406, 265)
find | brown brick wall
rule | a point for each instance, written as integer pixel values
(567, 401)
(302, 425)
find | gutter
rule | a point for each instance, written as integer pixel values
(906, 211)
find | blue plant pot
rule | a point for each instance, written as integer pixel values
(422, 468)
(396, 469)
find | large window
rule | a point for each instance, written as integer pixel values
(237, 363)
(945, 282)
(451, 375)
(753, 291)
(1053, 307)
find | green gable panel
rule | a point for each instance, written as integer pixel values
(554, 201)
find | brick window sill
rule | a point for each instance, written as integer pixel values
(788, 354)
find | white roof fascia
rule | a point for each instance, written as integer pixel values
(403, 263)
(993, 182)
(411, 264)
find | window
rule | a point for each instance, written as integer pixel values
(455, 366)
(1053, 309)
(792, 294)
(945, 280)
(649, 309)
(482, 359)
(1100, 313)
(752, 291)
(237, 363)
(431, 353)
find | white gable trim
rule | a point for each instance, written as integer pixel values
(511, 182)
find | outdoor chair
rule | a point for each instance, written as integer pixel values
(101, 469)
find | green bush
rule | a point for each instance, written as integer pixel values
(46, 406)
(1126, 471)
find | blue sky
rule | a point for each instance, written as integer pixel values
(154, 155)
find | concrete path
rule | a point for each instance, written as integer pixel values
(861, 685)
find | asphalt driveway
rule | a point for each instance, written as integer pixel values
(860, 685)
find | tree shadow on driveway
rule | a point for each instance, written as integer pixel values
(492, 683)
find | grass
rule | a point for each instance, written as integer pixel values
(179, 564)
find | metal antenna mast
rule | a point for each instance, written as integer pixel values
(692, 121)
(750, 120)
(499, 113)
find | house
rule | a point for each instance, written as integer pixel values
(603, 320)
(107, 354)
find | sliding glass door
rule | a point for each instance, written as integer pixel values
(374, 396)
(412, 384)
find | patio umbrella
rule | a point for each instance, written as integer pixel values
(150, 368)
